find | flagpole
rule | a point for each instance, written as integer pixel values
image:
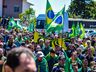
(63, 26)
(63, 18)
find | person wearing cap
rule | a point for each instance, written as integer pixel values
(41, 62)
(61, 66)
(51, 58)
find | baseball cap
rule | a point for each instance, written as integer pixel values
(40, 54)
(61, 57)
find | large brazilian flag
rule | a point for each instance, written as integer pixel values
(58, 22)
(49, 14)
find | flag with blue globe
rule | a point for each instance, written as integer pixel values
(58, 22)
(11, 24)
(49, 14)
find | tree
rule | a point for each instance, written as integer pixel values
(82, 9)
(76, 9)
(28, 15)
(90, 11)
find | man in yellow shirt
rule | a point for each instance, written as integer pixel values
(90, 46)
(84, 42)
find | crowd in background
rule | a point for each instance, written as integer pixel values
(78, 56)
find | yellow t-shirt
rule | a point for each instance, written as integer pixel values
(84, 44)
(92, 49)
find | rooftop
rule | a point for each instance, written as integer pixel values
(41, 17)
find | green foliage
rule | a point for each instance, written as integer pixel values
(21, 16)
(82, 9)
(91, 10)
(28, 15)
(33, 21)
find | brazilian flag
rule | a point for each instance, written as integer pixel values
(11, 24)
(82, 31)
(49, 14)
(77, 29)
(58, 22)
(72, 33)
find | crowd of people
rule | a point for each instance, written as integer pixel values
(18, 49)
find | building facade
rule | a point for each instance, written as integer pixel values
(12, 8)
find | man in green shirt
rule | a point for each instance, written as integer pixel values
(61, 66)
(51, 58)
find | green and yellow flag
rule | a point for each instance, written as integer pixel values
(49, 14)
(36, 36)
(82, 31)
(53, 46)
(77, 29)
(72, 33)
(58, 22)
(62, 43)
(11, 24)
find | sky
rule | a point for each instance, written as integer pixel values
(57, 5)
